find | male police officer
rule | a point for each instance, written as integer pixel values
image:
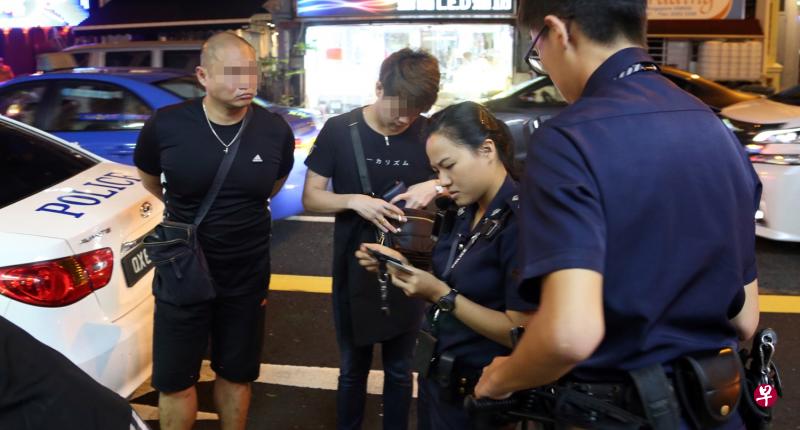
(638, 204)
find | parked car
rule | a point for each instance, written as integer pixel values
(790, 96)
(103, 110)
(770, 130)
(73, 272)
(175, 54)
(537, 100)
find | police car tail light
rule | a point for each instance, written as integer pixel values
(58, 282)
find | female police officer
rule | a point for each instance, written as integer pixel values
(474, 303)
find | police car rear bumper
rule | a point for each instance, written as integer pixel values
(121, 356)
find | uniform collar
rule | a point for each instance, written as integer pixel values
(508, 195)
(613, 66)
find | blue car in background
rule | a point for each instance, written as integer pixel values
(103, 109)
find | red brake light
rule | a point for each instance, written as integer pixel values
(58, 282)
(297, 143)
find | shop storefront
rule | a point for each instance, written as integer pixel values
(474, 42)
(28, 28)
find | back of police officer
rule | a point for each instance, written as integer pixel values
(637, 211)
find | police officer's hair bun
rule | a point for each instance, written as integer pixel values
(470, 124)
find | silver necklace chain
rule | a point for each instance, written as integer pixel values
(225, 145)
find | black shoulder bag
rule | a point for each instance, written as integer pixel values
(414, 240)
(182, 276)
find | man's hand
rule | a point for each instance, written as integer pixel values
(376, 211)
(486, 386)
(419, 195)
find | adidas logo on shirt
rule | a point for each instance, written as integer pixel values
(257, 159)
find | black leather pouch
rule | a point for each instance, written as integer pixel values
(424, 351)
(443, 375)
(709, 386)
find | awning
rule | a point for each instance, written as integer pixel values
(141, 14)
(705, 29)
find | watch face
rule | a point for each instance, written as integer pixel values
(447, 303)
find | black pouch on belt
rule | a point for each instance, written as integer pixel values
(709, 386)
(443, 374)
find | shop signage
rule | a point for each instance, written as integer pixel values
(384, 8)
(695, 9)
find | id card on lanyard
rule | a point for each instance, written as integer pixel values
(425, 351)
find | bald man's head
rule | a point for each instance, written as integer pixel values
(228, 70)
(215, 48)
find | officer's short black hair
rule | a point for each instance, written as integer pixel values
(603, 21)
(413, 76)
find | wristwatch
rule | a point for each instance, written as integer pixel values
(447, 302)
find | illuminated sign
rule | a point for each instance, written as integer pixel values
(695, 9)
(42, 13)
(383, 8)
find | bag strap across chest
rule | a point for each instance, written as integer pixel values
(358, 150)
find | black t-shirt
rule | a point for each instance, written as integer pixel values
(403, 158)
(234, 235)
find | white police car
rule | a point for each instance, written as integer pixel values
(73, 272)
(770, 130)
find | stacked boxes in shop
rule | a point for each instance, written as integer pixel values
(730, 61)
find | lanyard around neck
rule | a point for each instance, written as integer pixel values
(487, 228)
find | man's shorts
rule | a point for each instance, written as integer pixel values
(235, 326)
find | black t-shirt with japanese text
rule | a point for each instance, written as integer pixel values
(399, 158)
(234, 235)
(402, 158)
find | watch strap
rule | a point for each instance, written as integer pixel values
(449, 298)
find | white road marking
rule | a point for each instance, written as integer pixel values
(320, 378)
(311, 218)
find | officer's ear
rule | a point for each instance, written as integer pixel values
(378, 89)
(487, 149)
(558, 31)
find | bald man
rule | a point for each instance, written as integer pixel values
(186, 143)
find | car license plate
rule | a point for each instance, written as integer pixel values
(136, 264)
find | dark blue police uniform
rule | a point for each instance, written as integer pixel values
(485, 275)
(641, 182)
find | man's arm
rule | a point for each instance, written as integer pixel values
(317, 198)
(152, 183)
(566, 330)
(278, 185)
(746, 322)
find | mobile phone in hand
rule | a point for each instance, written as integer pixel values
(383, 257)
(400, 267)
